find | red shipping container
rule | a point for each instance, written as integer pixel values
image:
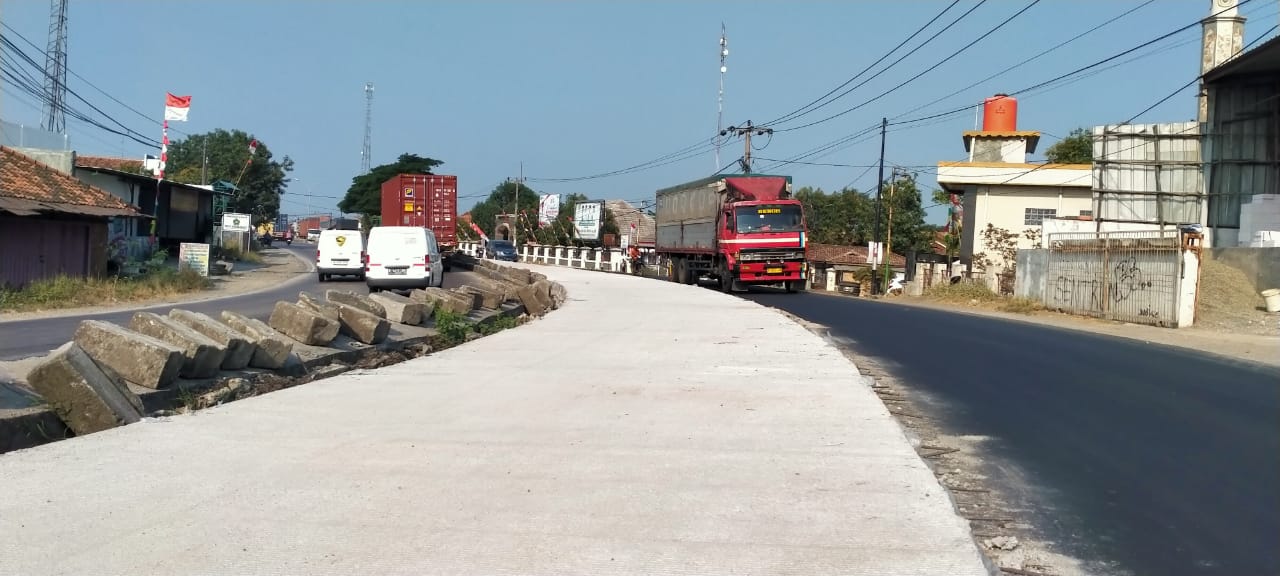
(426, 200)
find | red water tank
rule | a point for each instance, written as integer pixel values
(1000, 114)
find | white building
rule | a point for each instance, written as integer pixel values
(996, 186)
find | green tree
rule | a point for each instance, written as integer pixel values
(227, 151)
(502, 200)
(365, 194)
(1076, 148)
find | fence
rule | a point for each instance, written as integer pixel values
(1127, 276)
(604, 259)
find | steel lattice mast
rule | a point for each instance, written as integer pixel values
(55, 69)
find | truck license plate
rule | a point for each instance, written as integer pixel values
(773, 270)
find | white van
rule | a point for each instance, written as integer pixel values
(402, 257)
(338, 253)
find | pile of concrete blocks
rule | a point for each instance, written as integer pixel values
(101, 378)
(537, 293)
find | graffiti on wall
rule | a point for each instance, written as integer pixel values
(1124, 279)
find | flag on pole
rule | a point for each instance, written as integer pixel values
(253, 147)
(176, 107)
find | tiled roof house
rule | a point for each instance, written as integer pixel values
(51, 223)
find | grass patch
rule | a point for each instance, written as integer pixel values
(236, 254)
(67, 292)
(451, 327)
(962, 292)
(1021, 306)
(497, 325)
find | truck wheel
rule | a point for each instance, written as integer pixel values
(726, 279)
(686, 276)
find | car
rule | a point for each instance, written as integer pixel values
(502, 250)
(340, 253)
(313, 234)
(402, 257)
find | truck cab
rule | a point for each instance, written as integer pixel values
(740, 230)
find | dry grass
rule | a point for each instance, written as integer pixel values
(249, 256)
(66, 292)
(963, 292)
(1021, 306)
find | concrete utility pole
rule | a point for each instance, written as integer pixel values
(875, 236)
(745, 132)
(888, 241)
(515, 224)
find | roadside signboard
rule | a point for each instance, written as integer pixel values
(587, 220)
(233, 222)
(192, 256)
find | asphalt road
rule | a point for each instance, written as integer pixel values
(1151, 459)
(37, 337)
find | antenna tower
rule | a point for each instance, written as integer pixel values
(367, 152)
(55, 69)
(724, 53)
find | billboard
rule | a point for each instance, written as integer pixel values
(548, 209)
(587, 220)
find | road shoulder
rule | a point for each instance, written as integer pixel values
(280, 267)
(1237, 346)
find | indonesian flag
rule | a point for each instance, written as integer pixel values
(253, 147)
(176, 107)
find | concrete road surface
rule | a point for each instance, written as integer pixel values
(644, 428)
(1158, 459)
(40, 336)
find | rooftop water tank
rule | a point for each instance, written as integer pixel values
(1000, 114)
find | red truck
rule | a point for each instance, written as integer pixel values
(426, 200)
(740, 230)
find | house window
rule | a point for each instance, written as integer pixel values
(1036, 216)
(1086, 212)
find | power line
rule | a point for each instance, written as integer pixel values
(1037, 56)
(148, 117)
(1082, 68)
(993, 30)
(802, 110)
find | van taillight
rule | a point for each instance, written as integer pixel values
(317, 255)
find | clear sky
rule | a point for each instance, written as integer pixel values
(575, 88)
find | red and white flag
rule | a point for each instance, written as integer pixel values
(253, 147)
(176, 107)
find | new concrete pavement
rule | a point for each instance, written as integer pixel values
(38, 337)
(1153, 459)
(644, 428)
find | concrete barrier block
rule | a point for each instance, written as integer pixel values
(327, 309)
(400, 309)
(356, 300)
(520, 275)
(474, 301)
(361, 325)
(559, 294)
(303, 324)
(239, 347)
(140, 359)
(537, 277)
(533, 303)
(439, 299)
(271, 349)
(543, 290)
(202, 356)
(488, 299)
(85, 397)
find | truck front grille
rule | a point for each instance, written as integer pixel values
(763, 254)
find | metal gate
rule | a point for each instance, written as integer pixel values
(1126, 276)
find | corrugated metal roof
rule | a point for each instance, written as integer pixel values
(1265, 58)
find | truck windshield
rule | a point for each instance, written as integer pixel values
(769, 218)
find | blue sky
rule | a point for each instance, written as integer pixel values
(574, 88)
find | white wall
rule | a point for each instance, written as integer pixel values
(1005, 207)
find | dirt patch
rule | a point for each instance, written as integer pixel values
(1229, 302)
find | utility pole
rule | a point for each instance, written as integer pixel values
(724, 53)
(888, 241)
(204, 160)
(875, 235)
(745, 132)
(515, 225)
(55, 69)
